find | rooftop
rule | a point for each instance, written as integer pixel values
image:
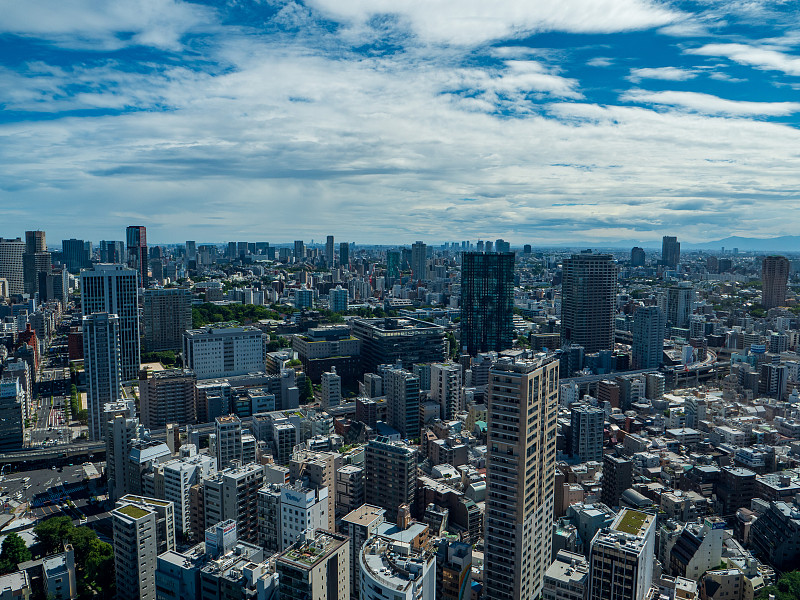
(134, 512)
(364, 515)
(632, 522)
(308, 553)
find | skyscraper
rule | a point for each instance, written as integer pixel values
(487, 302)
(191, 250)
(114, 289)
(136, 237)
(649, 327)
(637, 256)
(35, 261)
(679, 304)
(588, 304)
(112, 252)
(774, 275)
(11, 262)
(418, 260)
(520, 471)
(329, 251)
(446, 389)
(167, 315)
(299, 250)
(74, 255)
(587, 432)
(670, 251)
(392, 266)
(101, 356)
(344, 254)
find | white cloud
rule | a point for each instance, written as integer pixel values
(600, 61)
(107, 24)
(708, 104)
(467, 22)
(665, 73)
(761, 58)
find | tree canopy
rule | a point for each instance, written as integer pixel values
(786, 588)
(14, 551)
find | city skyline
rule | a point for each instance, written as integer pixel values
(618, 119)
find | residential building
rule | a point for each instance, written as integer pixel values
(649, 328)
(113, 289)
(617, 477)
(446, 390)
(775, 536)
(316, 568)
(679, 304)
(360, 525)
(179, 476)
(453, 570)
(392, 569)
(102, 359)
(588, 303)
(143, 529)
(487, 302)
(637, 256)
(774, 276)
(331, 389)
(168, 396)
(12, 403)
(402, 401)
(520, 466)
(329, 256)
(670, 251)
(337, 299)
(350, 488)
(587, 432)
(621, 558)
(136, 242)
(419, 261)
(11, 264)
(391, 474)
(232, 493)
(317, 470)
(59, 578)
(567, 578)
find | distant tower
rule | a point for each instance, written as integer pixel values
(774, 275)
(136, 237)
(102, 357)
(487, 302)
(670, 251)
(418, 260)
(35, 261)
(329, 251)
(649, 326)
(299, 250)
(344, 254)
(589, 294)
(637, 257)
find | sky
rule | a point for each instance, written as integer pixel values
(384, 121)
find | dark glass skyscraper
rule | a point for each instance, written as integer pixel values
(487, 301)
(588, 303)
(670, 251)
(136, 238)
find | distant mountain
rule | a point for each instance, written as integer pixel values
(784, 243)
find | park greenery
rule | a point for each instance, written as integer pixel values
(243, 313)
(165, 357)
(786, 588)
(94, 559)
(13, 552)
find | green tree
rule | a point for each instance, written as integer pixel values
(14, 551)
(786, 588)
(83, 416)
(307, 393)
(53, 532)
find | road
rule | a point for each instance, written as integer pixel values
(50, 427)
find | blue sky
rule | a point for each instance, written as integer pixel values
(385, 121)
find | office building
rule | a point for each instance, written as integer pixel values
(303, 298)
(393, 569)
(735, 489)
(344, 254)
(317, 568)
(588, 303)
(587, 432)
(11, 264)
(143, 529)
(323, 348)
(337, 299)
(774, 276)
(637, 257)
(191, 250)
(487, 302)
(679, 304)
(302, 511)
(232, 493)
(391, 475)
(419, 262)
(167, 397)
(621, 558)
(136, 242)
(12, 406)
(670, 251)
(617, 477)
(167, 315)
(350, 493)
(102, 359)
(402, 401)
(446, 389)
(329, 257)
(179, 476)
(223, 352)
(649, 328)
(360, 525)
(453, 570)
(392, 266)
(121, 432)
(520, 470)
(74, 255)
(387, 340)
(567, 578)
(112, 252)
(228, 441)
(113, 289)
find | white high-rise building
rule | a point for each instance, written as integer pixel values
(446, 389)
(103, 363)
(302, 510)
(180, 475)
(331, 389)
(114, 289)
(11, 268)
(520, 473)
(223, 352)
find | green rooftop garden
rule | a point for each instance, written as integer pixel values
(632, 522)
(134, 512)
